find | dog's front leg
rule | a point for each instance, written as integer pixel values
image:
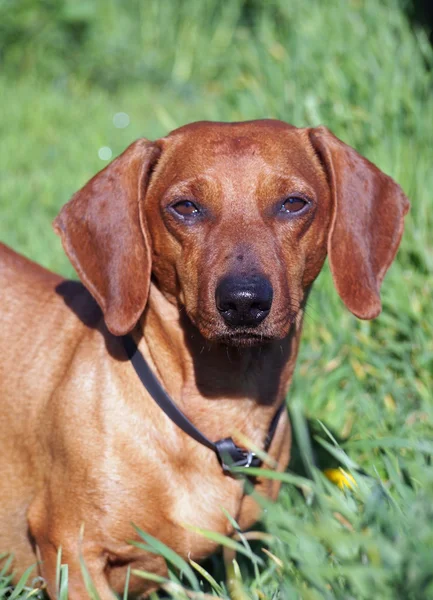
(77, 589)
(52, 536)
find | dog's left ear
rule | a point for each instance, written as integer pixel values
(104, 235)
(367, 222)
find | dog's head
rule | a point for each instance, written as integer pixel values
(233, 222)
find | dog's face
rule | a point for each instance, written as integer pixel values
(234, 222)
(238, 231)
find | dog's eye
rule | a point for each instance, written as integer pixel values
(293, 204)
(185, 208)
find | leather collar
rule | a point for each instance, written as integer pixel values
(228, 453)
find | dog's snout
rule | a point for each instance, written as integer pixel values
(244, 301)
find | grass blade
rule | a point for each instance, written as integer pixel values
(156, 547)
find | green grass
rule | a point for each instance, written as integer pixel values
(355, 66)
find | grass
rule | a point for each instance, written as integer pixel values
(355, 66)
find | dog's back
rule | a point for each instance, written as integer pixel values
(26, 289)
(37, 333)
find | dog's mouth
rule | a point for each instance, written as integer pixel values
(216, 332)
(243, 339)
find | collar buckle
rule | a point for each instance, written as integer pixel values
(231, 456)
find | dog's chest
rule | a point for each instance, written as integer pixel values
(172, 500)
(201, 501)
(181, 524)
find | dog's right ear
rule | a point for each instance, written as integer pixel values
(104, 235)
(367, 223)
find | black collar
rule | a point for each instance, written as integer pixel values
(228, 453)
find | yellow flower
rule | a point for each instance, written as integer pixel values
(340, 478)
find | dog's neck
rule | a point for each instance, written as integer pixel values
(213, 383)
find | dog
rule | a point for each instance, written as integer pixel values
(202, 248)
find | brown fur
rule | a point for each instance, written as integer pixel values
(81, 440)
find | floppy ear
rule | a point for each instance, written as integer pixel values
(367, 222)
(104, 235)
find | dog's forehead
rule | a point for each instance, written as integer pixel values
(196, 147)
(231, 138)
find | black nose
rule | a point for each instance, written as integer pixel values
(244, 301)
